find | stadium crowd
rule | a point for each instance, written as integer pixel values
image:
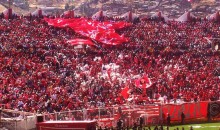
(39, 71)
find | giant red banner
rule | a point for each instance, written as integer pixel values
(103, 32)
(191, 110)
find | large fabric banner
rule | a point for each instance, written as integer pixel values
(103, 32)
(78, 41)
(191, 110)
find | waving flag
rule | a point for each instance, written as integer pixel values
(144, 81)
(125, 93)
(81, 42)
(103, 32)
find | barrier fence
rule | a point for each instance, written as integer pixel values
(108, 116)
(191, 110)
(206, 111)
(153, 114)
(17, 120)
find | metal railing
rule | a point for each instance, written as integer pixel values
(110, 115)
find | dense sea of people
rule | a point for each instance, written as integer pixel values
(40, 71)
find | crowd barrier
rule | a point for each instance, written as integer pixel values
(17, 120)
(194, 112)
(108, 116)
(153, 114)
(29, 123)
(191, 110)
(2, 106)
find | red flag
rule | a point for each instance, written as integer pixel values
(144, 81)
(81, 42)
(103, 32)
(137, 82)
(125, 93)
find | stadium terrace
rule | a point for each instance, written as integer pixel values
(54, 64)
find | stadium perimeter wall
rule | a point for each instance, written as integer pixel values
(153, 114)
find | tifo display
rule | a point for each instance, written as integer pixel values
(80, 72)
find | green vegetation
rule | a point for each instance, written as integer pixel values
(207, 126)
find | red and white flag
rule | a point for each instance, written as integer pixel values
(125, 92)
(103, 32)
(143, 81)
(81, 42)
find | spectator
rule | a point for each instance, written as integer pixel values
(141, 121)
(119, 124)
(100, 128)
(156, 128)
(135, 127)
(168, 120)
(38, 69)
(182, 118)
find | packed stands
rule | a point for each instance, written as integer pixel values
(167, 62)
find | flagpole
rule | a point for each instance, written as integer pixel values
(9, 9)
(9, 1)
